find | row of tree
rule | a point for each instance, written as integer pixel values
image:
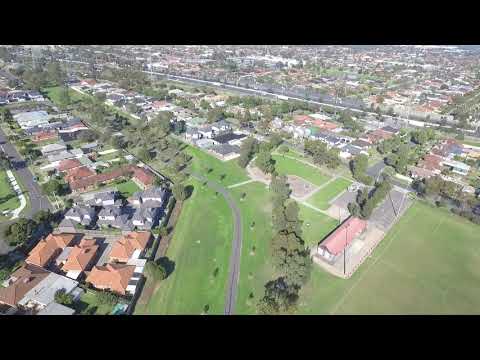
(367, 200)
(321, 154)
(358, 166)
(289, 254)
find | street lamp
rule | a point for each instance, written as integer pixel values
(345, 250)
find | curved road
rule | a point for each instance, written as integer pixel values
(37, 200)
(234, 271)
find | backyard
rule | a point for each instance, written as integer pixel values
(200, 245)
(427, 264)
(53, 93)
(126, 188)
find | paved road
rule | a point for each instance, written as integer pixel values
(37, 200)
(234, 271)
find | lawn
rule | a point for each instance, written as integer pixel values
(201, 243)
(315, 225)
(90, 299)
(321, 199)
(127, 188)
(53, 93)
(427, 264)
(8, 197)
(288, 166)
(255, 267)
(202, 161)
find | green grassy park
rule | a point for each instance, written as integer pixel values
(201, 243)
(202, 162)
(288, 166)
(427, 264)
(321, 199)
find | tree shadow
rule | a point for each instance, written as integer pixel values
(189, 191)
(167, 264)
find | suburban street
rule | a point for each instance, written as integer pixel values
(37, 200)
(234, 272)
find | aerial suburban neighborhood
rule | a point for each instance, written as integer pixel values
(239, 180)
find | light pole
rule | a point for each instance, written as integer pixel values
(345, 251)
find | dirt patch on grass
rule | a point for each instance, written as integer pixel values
(301, 188)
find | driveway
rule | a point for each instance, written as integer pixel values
(37, 200)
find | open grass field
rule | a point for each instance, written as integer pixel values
(288, 166)
(255, 266)
(53, 93)
(127, 188)
(427, 264)
(201, 243)
(322, 197)
(8, 197)
(202, 161)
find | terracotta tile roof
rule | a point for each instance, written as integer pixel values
(143, 175)
(68, 164)
(114, 277)
(48, 248)
(81, 256)
(124, 248)
(44, 135)
(344, 234)
(22, 281)
(78, 173)
(97, 179)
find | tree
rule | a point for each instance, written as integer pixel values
(204, 104)
(20, 231)
(61, 297)
(100, 97)
(179, 192)
(5, 161)
(144, 154)
(64, 96)
(107, 298)
(247, 150)
(55, 73)
(265, 162)
(5, 115)
(284, 149)
(54, 186)
(157, 271)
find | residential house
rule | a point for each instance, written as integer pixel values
(221, 126)
(142, 177)
(52, 149)
(31, 119)
(378, 135)
(20, 282)
(78, 173)
(43, 294)
(68, 164)
(192, 133)
(154, 196)
(226, 151)
(107, 198)
(131, 245)
(44, 135)
(146, 217)
(113, 277)
(206, 132)
(78, 259)
(84, 215)
(89, 148)
(49, 248)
